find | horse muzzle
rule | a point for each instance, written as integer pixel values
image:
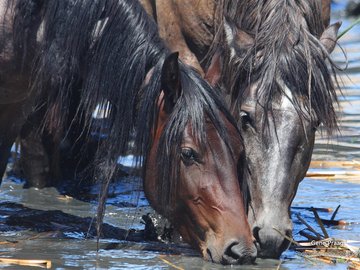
(270, 242)
(235, 252)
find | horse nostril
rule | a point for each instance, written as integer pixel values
(256, 234)
(237, 254)
(285, 243)
(288, 233)
(210, 258)
(232, 251)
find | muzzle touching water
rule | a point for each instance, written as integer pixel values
(269, 234)
(236, 252)
(270, 243)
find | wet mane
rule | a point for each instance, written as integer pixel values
(197, 106)
(105, 48)
(286, 48)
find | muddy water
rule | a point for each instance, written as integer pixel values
(68, 248)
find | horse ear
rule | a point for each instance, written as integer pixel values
(213, 73)
(238, 40)
(170, 81)
(329, 37)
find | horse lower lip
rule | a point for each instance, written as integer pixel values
(228, 260)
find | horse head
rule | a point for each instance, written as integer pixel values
(193, 172)
(280, 90)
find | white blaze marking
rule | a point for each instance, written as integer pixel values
(286, 101)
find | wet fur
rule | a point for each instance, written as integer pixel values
(294, 54)
(111, 65)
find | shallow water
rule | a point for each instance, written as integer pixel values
(72, 251)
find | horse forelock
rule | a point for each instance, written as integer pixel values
(286, 46)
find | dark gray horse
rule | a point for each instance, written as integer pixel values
(278, 79)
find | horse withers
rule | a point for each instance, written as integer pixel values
(270, 57)
(109, 51)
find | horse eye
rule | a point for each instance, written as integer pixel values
(245, 119)
(189, 155)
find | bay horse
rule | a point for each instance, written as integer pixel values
(110, 51)
(272, 60)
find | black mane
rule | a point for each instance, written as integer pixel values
(106, 48)
(287, 47)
